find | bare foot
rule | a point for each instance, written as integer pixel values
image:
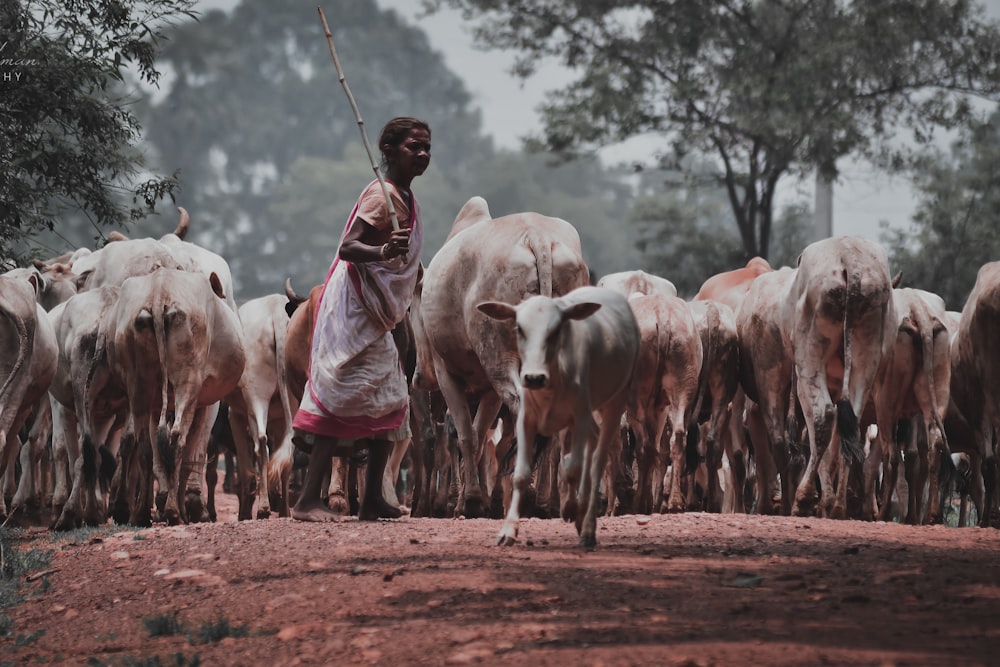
(374, 510)
(313, 511)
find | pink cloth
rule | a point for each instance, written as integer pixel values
(356, 387)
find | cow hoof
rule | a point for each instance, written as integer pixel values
(507, 536)
(171, 517)
(505, 540)
(588, 542)
(65, 522)
(338, 504)
(473, 508)
(263, 513)
(194, 509)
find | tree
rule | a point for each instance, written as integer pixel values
(69, 136)
(770, 88)
(254, 104)
(683, 230)
(954, 230)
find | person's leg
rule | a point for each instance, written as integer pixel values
(310, 505)
(374, 505)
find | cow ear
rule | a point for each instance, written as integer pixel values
(497, 310)
(216, 284)
(581, 311)
(35, 278)
(81, 280)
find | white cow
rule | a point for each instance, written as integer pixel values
(91, 404)
(472, 357)
(260, 413)
(178, 348)
(26, 367)
(975, 387)
(718, 384)
(577, 356)
(840, 318)
(767, 377)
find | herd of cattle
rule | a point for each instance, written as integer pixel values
(799, 390)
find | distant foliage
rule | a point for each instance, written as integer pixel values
(765, 89)
(956, 228)
(69, 135)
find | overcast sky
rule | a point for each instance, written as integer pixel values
(862, 197)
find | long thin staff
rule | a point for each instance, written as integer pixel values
(357, 117)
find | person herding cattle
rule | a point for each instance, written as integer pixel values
(357, 394)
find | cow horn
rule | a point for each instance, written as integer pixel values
(290, 293)
(182, 224)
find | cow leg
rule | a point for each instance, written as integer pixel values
(647, 446)
(937, 449)
(676, 447)
(610, 420)
(373, 504)
(263, 458)
(470, 500)
(737, 454)
(245, 469)
(212, 476)
(34, 458)
(391, 475)
(193, 446)
(522, 480)
(818, 411)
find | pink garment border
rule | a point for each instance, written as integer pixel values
(348, 427)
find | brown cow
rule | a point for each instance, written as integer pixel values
(914, 381)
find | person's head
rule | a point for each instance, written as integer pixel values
(405, 140)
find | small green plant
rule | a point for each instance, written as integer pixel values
(15, 564)
(24, 640)
(163, 625)
(219, 630)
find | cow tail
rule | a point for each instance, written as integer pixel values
(282, 457)
(709, 352)
(543, 263)
(167, 457)
(928, 334)
(25, 341)
(847, 421)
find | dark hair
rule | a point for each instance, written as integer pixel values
(395, 131)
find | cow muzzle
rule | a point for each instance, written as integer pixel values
(535, 380)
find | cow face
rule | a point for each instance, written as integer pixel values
(541, 324)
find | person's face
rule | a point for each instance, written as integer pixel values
(412, 156)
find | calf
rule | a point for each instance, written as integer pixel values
(577, 354)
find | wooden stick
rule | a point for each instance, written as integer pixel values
(357, 116)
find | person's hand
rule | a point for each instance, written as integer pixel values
(398, 245)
